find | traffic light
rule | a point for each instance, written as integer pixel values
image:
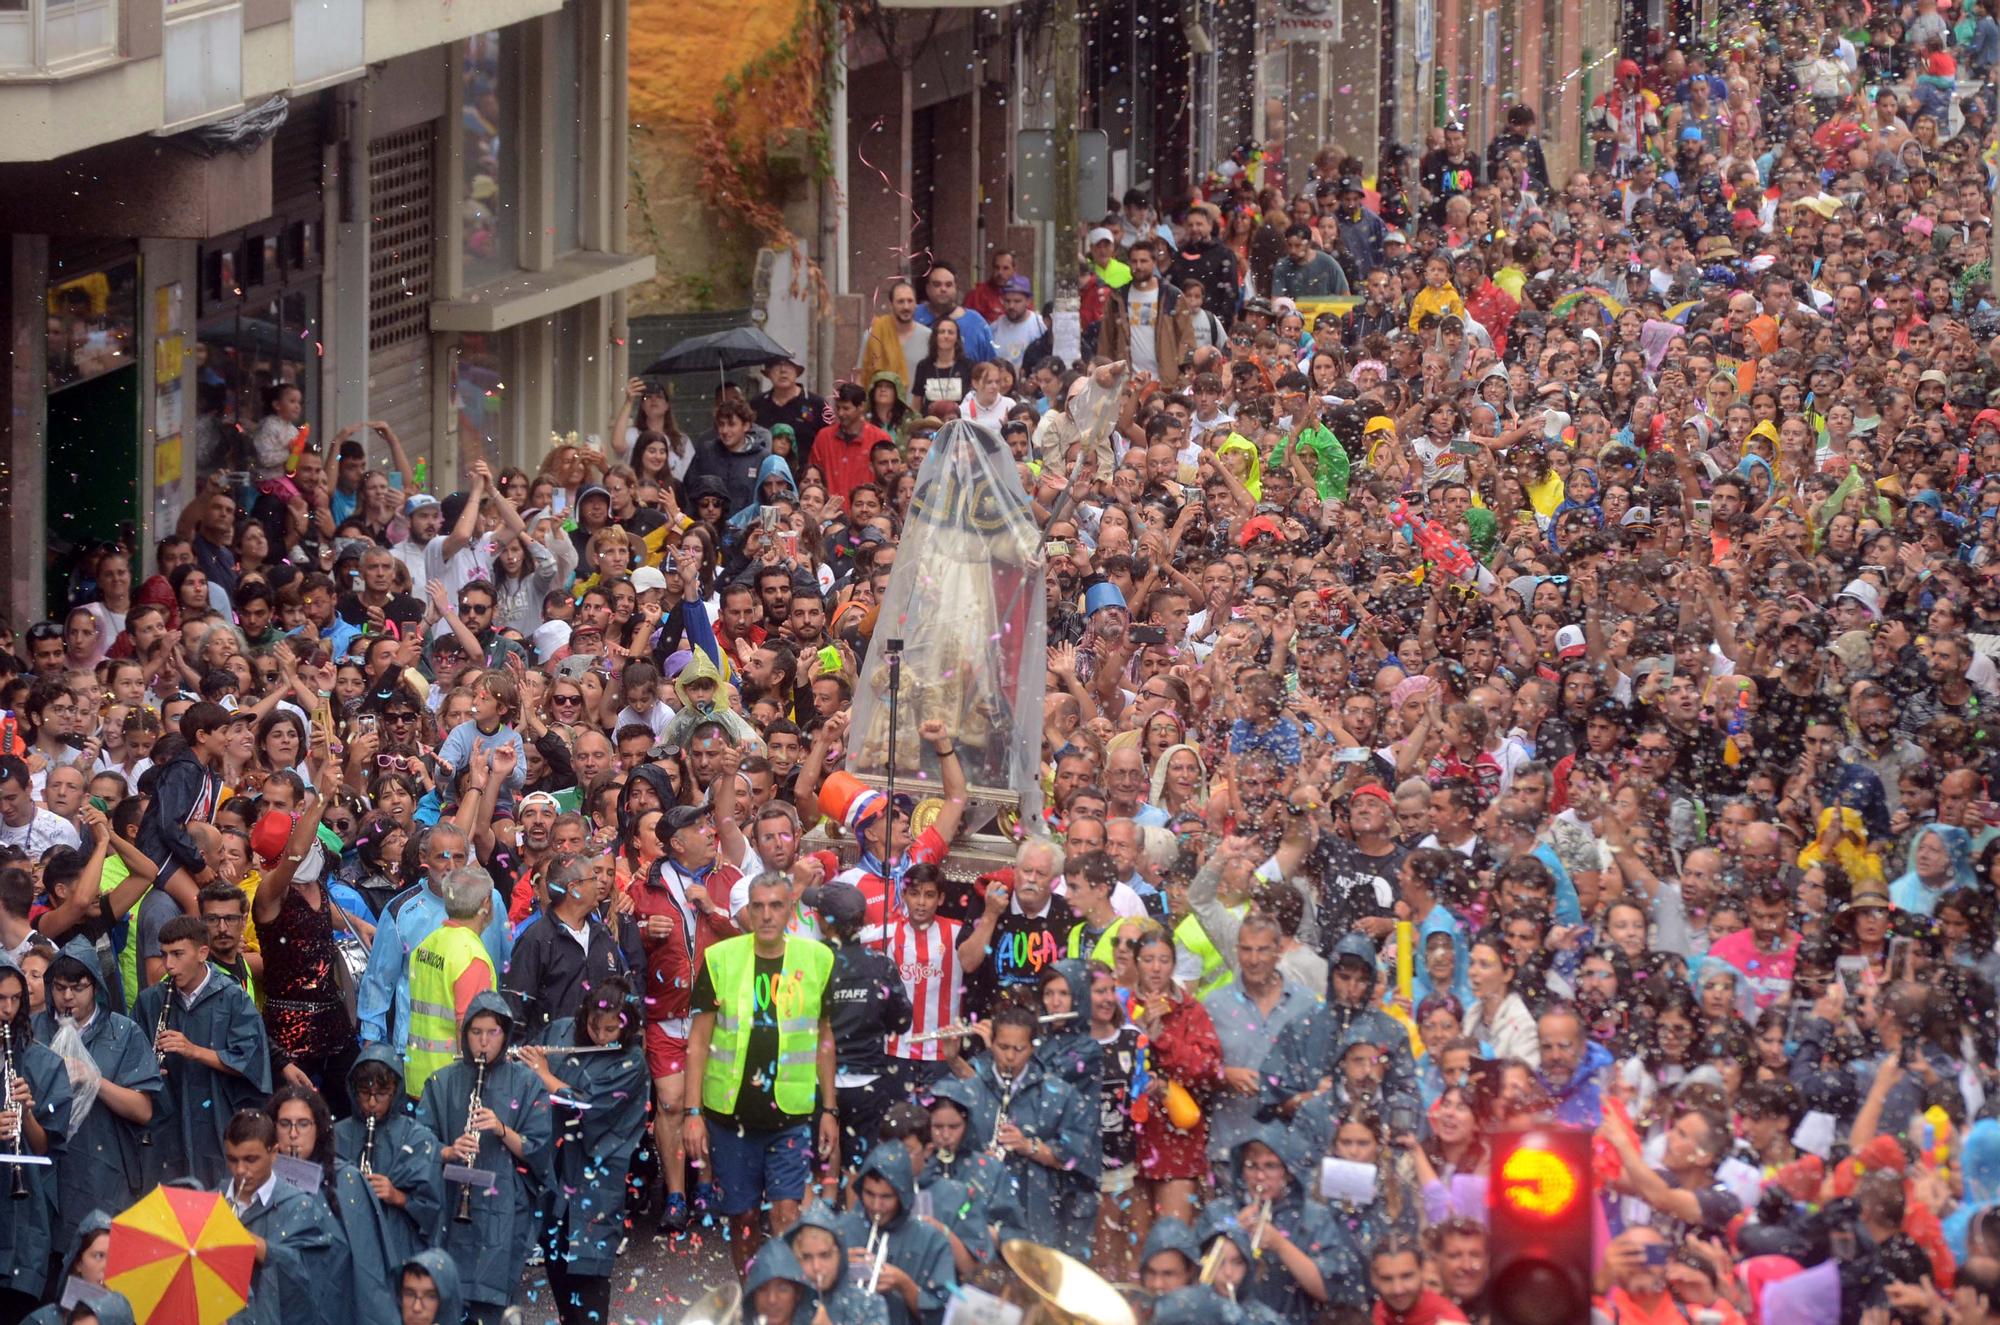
(1540, 1228)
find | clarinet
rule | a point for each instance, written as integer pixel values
(463, 1215)
(19, 1187)
(993, 1146)
(368, 1146)
(159, 1029)
(160, 1026)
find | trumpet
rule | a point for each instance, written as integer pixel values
(959, 1028)
(1263, 1222)
(878, 1251)
(463, 1215)
(19, 1185)
(368, 1146)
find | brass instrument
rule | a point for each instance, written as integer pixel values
(1064, 1290)
(721, 1305)
(463, 1215)
(1263, 1222)
(19, 1183)
(368, 1146)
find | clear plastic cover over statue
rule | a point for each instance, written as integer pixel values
(968, 599)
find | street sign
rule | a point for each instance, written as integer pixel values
(1034, 188)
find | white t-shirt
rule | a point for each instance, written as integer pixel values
(656, 717)
(472, 562)
(992, 417)
(1012, 339)
(47, 829)
(1142, 312)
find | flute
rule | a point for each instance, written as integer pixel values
(564, 1050)
(958, 1028)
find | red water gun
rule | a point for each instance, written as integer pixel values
(1439, 547)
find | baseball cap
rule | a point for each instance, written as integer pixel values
(594, 490)
(647, 577)
(1100, 234)
(840, 905)
(1570, 642)
(677, 817)
(1017, 285)
(417, 502)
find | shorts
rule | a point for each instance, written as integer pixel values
(666, 1055)
(750, 1168)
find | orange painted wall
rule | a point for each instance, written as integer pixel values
(680, 55)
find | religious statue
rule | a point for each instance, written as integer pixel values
(967, 599)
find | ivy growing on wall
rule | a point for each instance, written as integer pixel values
(788, 88)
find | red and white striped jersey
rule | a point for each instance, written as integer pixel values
(927, 959)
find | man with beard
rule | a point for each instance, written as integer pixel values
(1357, 872)
(1027, 938)
(1766, 950)
(1204, 258)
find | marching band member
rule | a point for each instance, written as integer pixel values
(89, 1256)
(305, 1132)
(496, 1113)
(397, 1156)
(294, 1231)
(212, 1052)
(101, 1159)
(34, 1123)
(917, 1275)
(1047, 1131)
(599, 1101)
(815, 1240)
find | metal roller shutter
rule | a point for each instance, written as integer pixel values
(401, 175)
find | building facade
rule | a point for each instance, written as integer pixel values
(411, 210)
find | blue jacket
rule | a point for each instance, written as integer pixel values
(412, 916)
(972, 329)
(915, 1248)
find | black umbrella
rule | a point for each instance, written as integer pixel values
(720, 352)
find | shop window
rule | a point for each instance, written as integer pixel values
(259, 328)
(479, 392)
(93, 324)
(489, 116)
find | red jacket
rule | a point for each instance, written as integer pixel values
(1493, 308)
(671, 960)
(844, 462)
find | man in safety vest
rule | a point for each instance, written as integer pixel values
(763, 1050)
(447, 970)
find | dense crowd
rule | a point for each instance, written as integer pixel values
(1548, 683)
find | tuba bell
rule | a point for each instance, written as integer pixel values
(721, 1305)
(1067, 1291)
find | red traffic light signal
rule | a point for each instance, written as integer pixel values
(1540, 1223)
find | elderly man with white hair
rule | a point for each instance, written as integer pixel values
(1028, 938)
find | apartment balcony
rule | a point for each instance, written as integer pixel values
(76, 74)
